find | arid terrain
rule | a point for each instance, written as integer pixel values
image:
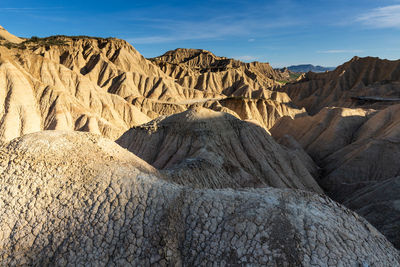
(111, 159)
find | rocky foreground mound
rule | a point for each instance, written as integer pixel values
(217, 150)
(76, 198)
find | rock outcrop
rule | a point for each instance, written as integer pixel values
(76, 198)
(202, 70)
(5, 35)
(324, 133)
(216, 150)
(40, 94)
(362, 82)
(358, 151)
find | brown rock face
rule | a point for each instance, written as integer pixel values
(214, 149)
(116, 211)
(362, 82)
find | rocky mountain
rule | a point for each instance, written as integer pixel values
(201, 69)
(118, 210)
(216, 150)
(309, 67)
(362, 82)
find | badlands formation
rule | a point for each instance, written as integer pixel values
(108, 158)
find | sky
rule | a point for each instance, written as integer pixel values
(283, 33)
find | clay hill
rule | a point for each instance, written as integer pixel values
(118, 210)
(216, 150)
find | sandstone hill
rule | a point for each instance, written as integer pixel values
(247, 89)
(40, 94)
(117, 211)
(201, 69)
(216, 150)
(362, 82)
(105, 86)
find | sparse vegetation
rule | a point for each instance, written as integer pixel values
(57, 40)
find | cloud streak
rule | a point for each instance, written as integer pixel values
(339, 51)
(382, 17)
(246, 58)
(211, 28)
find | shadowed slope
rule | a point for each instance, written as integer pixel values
(358, 152)
(75, 198)
(379, 203)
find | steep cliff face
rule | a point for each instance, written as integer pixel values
(214, 149)
(367, 82)
(117, 210)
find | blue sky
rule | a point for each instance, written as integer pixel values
(281, 32)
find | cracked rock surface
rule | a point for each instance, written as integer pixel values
(69, 198)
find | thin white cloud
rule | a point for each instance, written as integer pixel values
(382, 17)
(217, 27)
(19, 9)
(246, 58)
(339, 51)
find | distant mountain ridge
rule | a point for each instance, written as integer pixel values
(309, 67)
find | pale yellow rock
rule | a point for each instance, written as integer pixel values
(40, 94)
(4, 34)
